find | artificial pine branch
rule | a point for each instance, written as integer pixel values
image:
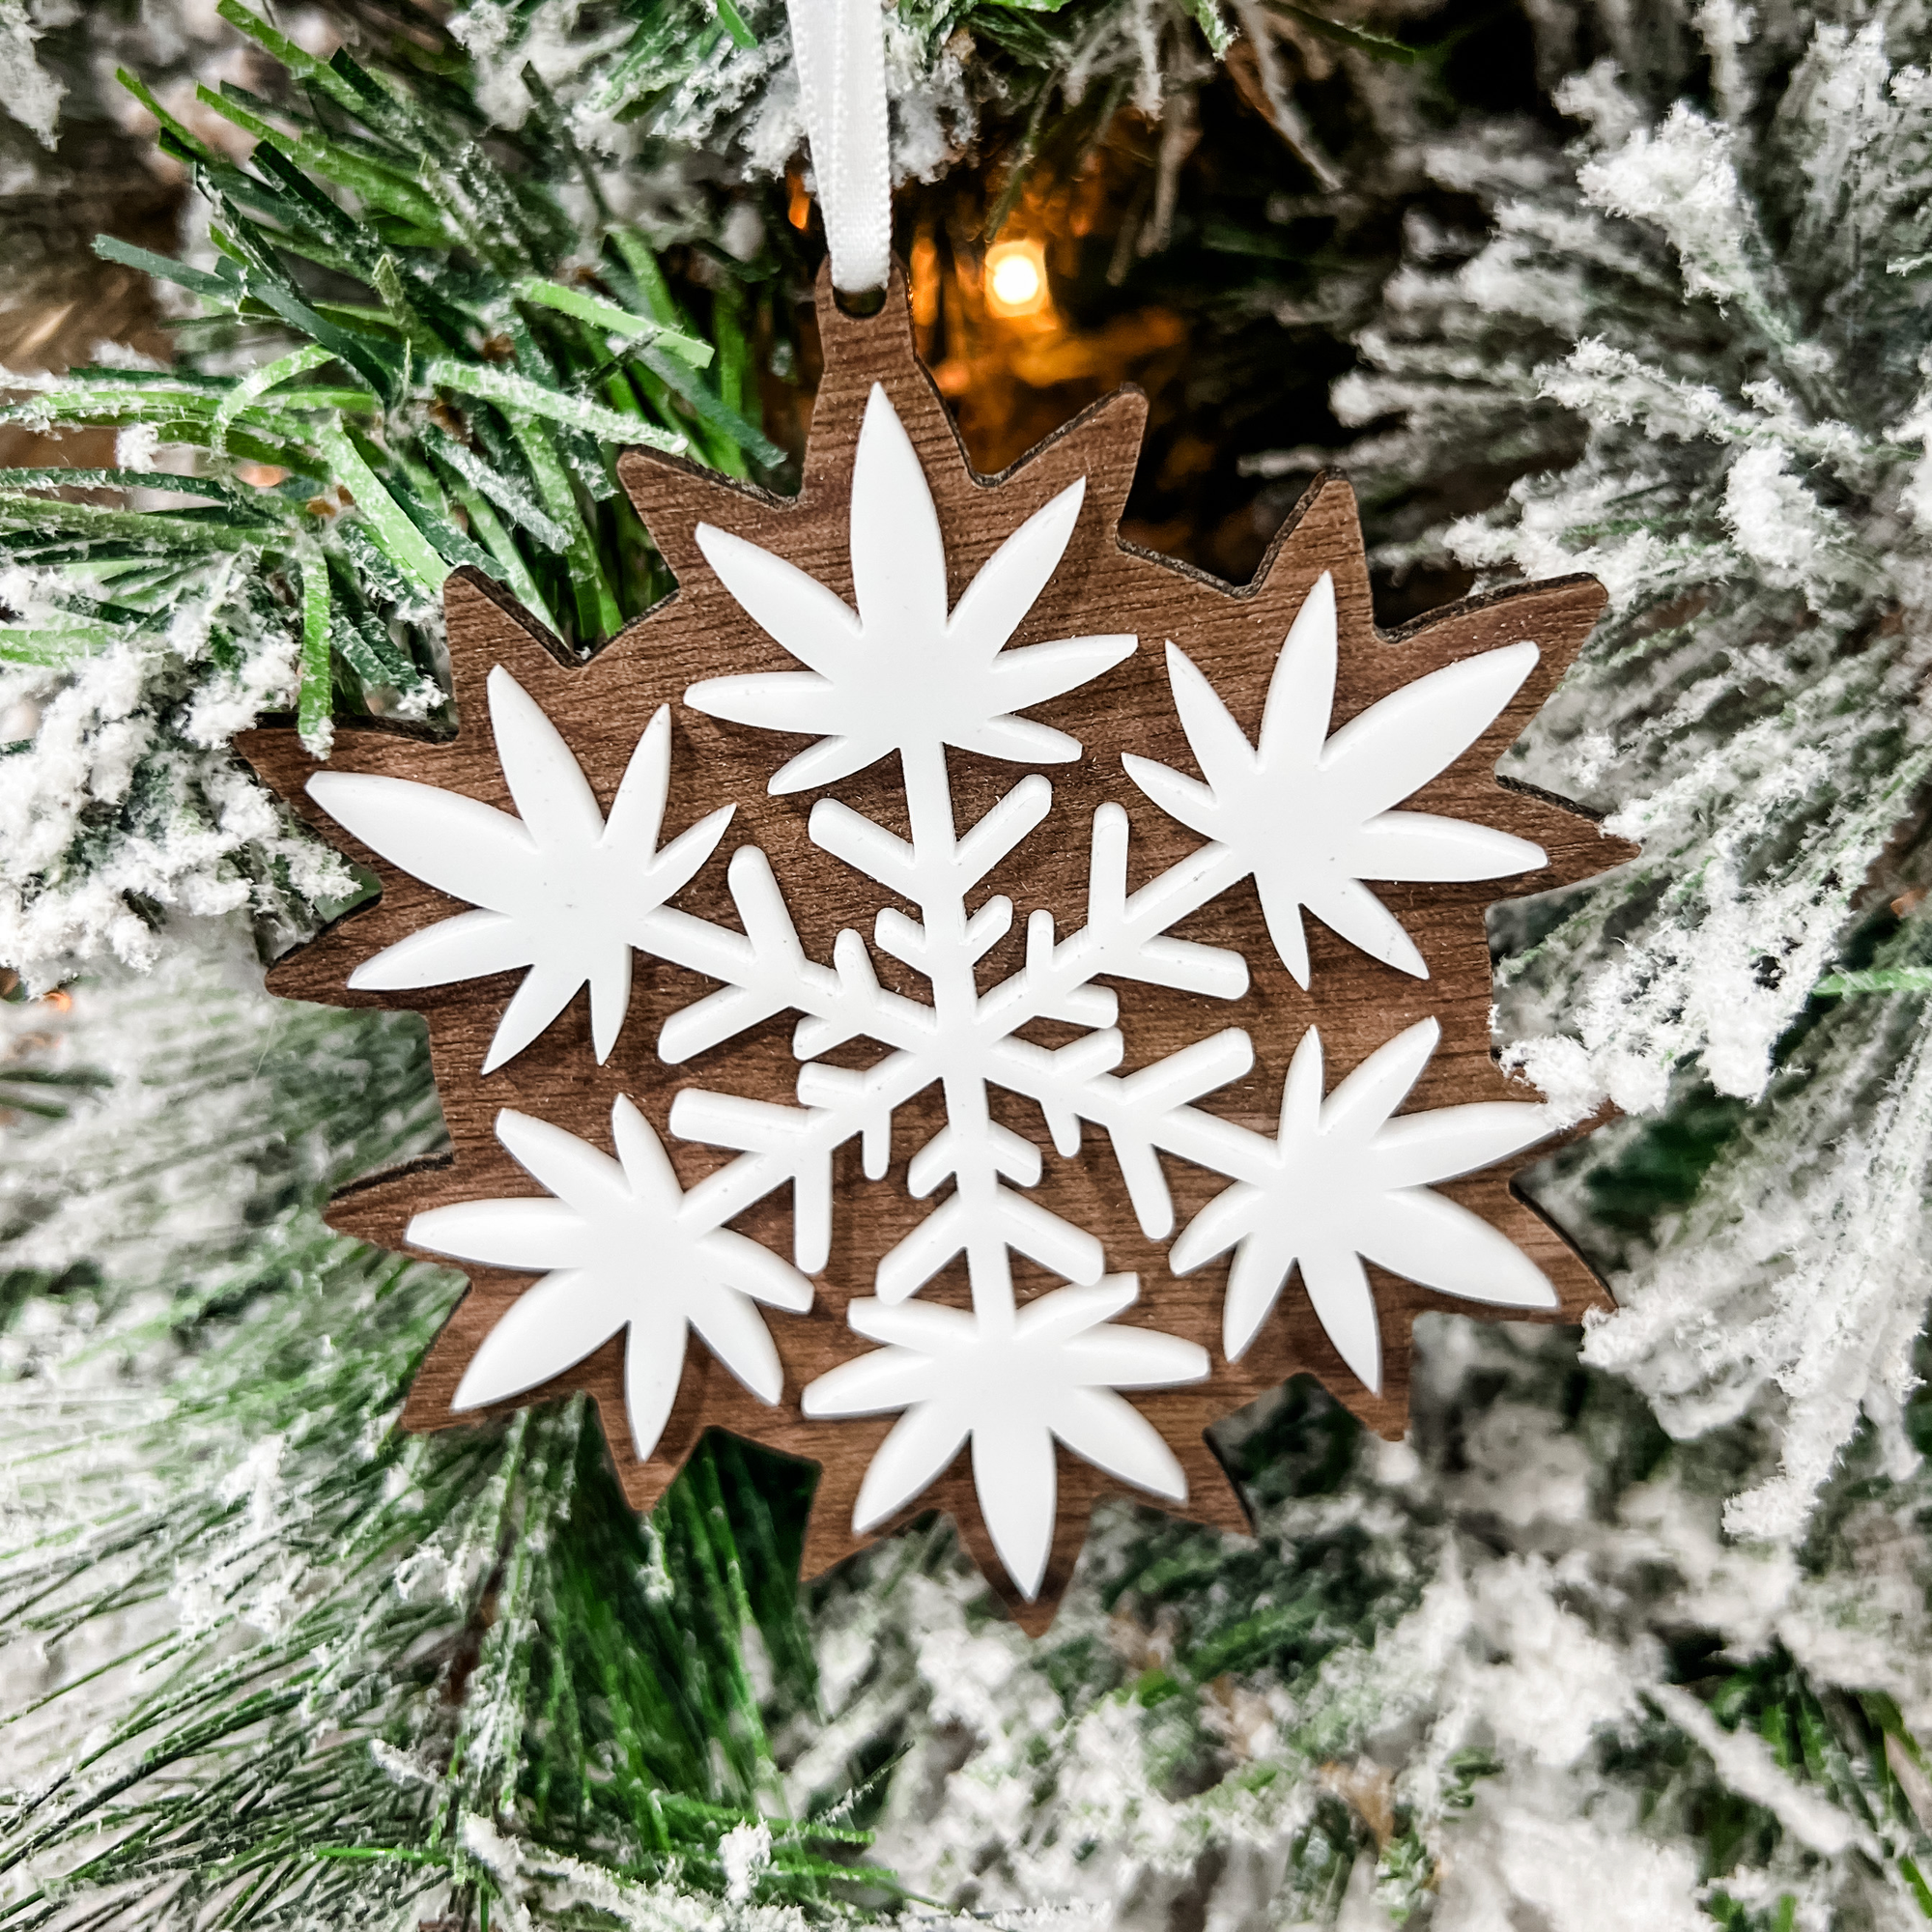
(424, 393)
(322, 1660)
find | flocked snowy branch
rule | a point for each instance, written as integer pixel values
(1697, 337)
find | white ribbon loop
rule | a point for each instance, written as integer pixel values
(839, 47)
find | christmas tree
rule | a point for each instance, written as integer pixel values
(315, 307)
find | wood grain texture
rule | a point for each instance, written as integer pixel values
(1103, 585)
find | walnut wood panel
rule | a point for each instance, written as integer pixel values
(1103, 585)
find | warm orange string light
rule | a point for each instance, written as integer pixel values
(924, 281)
(1016, 278)
(990, 328)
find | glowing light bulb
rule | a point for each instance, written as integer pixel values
(1015, 282)
(1016, 278)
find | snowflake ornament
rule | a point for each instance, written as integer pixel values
(941, 1100)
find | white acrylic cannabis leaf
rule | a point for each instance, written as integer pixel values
(1351, 1184)
(901, 673)
(622, 1253)
(1013, 1389)
(1310, 816)
(557, 889)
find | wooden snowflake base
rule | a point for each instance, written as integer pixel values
(1233, 634)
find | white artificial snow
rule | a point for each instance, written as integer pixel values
(1681, 177)
(119, 764)
(1751, 1770)
(739, 109)
(744, 1850)
(182, 1061)
(28, 92)
(1692, 979)
(1843, 1238)
(1532, 1853)
(1780, 524)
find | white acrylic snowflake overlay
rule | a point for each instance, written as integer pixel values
(1014, 1388)
(1349, 1183)
(903, 675)
(1310, 817)
(556, 890)
(626, 1249)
